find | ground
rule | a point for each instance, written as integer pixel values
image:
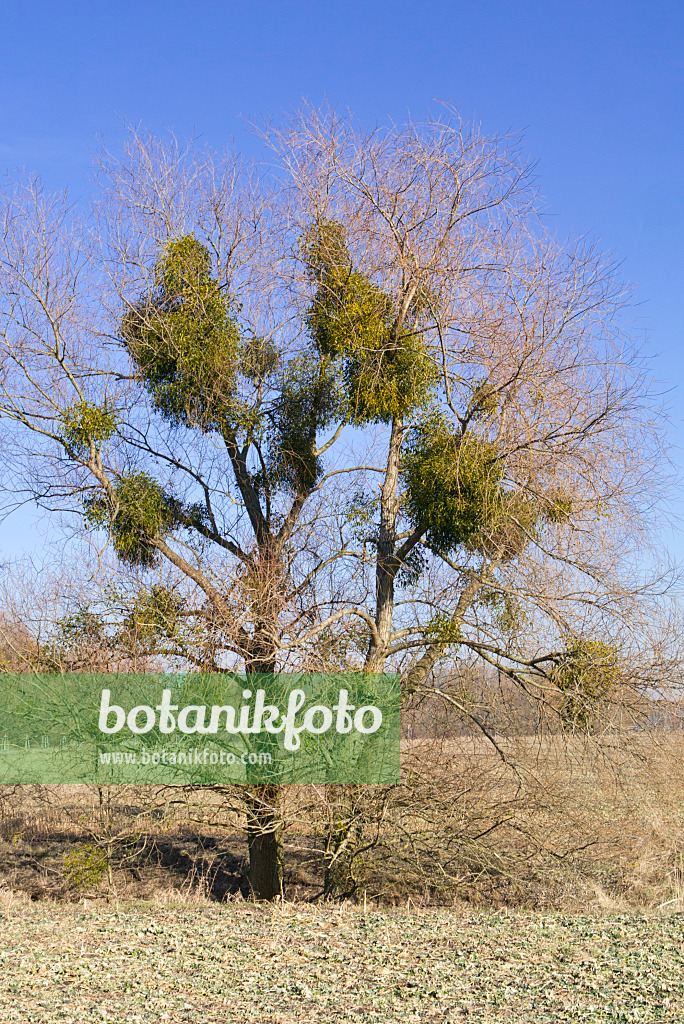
(239, 962)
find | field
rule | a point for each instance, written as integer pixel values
(289, 963)
(545, 888)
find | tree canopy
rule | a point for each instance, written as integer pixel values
(356, 408)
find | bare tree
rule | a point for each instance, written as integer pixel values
(353, 409)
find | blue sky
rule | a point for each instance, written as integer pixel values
(597, 87)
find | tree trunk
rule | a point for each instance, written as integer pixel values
(265, 841)
(347, 827)
(264, 815)
(345, 836)
(386, 561)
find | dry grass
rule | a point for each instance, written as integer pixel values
(554, 824)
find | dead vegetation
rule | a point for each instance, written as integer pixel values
(562, 822)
